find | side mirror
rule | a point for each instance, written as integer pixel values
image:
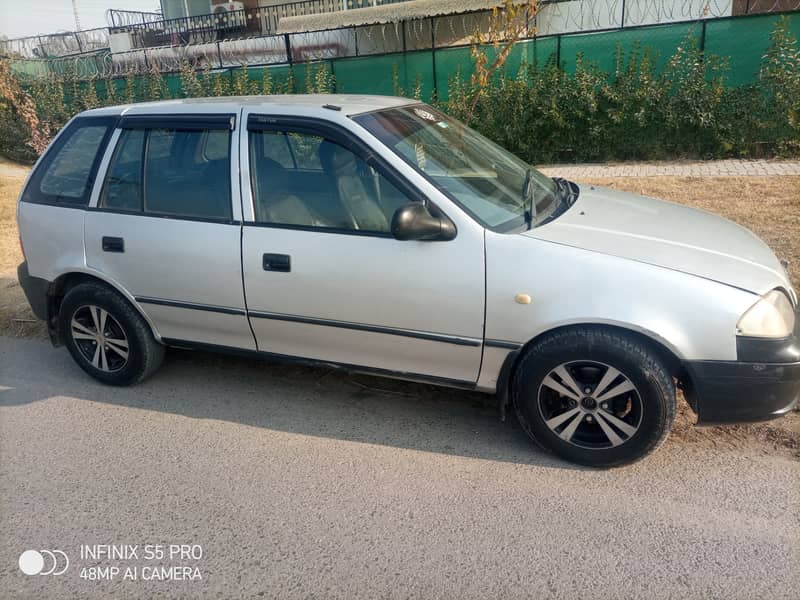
(413, 221)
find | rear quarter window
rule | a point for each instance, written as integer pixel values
(66, 174)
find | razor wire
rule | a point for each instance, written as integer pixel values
(256, 50)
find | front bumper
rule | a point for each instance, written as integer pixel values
(741, 392)
(763, 384)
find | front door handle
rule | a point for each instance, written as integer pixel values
(277, 262)
(113, 244)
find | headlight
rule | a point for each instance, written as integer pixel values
(770, 317)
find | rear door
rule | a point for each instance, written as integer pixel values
(165, 227)
(324, 277)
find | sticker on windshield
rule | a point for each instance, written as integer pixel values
(424, 114)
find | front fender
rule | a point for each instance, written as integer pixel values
(693, 317)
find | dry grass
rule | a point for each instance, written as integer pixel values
(768, 206)
(16, 318)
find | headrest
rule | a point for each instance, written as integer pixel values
(334, 157)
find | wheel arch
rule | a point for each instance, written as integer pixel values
(68, 280)
(667, 353)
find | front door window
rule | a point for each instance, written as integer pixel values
(306, 180)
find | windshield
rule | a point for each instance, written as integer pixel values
(487, 181)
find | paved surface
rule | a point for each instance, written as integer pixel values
(303, 483)
(708, 168)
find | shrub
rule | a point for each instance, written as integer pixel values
(780, 82)
(546, 114)
(22, 132)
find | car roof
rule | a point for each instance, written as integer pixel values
(283, 104)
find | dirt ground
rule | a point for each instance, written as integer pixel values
(15, 315)
(769, 206)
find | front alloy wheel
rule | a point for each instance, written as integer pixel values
(590, 404)
(595, 396)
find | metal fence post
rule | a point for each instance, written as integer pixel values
(433, 58)
(288, 43)
(558, 50)
(622, 21)
(355, 38)
(219, 55)
(703, 36)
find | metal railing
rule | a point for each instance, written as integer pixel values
(223, 24)
(192, 30)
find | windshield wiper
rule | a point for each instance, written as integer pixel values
(528, 197)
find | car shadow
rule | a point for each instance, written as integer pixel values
(305, 400)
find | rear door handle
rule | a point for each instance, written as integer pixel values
(113, 244)
(277, 262)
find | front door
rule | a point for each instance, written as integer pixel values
(165, 228)
(325, 279)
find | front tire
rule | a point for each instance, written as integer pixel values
(596, 397)
(107, 337)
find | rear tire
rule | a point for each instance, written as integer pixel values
(597, 397)
(107, 337)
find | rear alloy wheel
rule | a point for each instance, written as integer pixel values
(106, 336)
(595, 396)
(100, 338)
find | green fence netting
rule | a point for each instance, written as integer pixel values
(741, 41)
(601, 48)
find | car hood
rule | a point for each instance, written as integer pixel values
(666, 235)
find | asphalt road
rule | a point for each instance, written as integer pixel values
(303, 483)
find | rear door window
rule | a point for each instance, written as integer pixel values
(66, 173)
(185, 182)
(171, 172)
(123, 188)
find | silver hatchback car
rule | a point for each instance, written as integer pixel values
(379, 235)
